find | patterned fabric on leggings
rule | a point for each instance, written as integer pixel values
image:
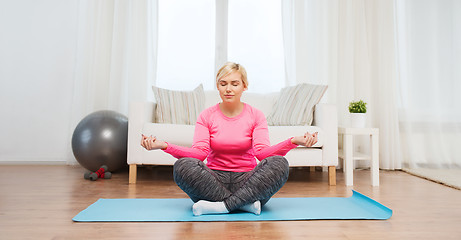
(236, 189)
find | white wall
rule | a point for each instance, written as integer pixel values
(37, 49)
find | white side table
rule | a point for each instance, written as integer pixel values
(348, 155)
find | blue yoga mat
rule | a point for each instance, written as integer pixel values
(358, 206)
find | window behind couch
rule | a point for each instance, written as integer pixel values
(187, 42)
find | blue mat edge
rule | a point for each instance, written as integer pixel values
(381, 206)
(355, 194)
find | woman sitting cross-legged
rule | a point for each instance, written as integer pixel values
(230, 135)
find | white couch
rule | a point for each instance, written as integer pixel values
(324, 153)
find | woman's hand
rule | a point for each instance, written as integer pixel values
(152, 143)
(307, 140)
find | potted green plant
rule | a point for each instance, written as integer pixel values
(358, 111)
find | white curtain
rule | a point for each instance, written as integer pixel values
(115, 58)
(186, 44)
(348, 45)
(429, 46)
(255, 40)
(197, 37)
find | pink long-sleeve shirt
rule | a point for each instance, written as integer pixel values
(231, 144)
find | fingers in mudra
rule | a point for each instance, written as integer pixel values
(143, 141)
(148, 142)
(152, 143)
(310, 139)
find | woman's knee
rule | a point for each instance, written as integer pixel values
(279, 162)
(275, 167)
(184, 166)
(185, 162)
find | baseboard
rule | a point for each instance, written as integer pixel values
(38, 159)
(33, 163)
(29, 160)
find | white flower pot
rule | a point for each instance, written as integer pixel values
(358, 120)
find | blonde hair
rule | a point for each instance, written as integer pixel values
(229, 68)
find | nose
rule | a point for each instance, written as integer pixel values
(228, 88)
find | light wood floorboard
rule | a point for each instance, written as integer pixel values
(38, 202)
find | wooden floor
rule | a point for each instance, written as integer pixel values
(38, 202)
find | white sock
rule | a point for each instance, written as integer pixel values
(252, 207)
(207, 207)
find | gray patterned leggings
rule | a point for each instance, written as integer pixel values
(235, 189)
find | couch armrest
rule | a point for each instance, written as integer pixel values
(326, 117)
(139, 114)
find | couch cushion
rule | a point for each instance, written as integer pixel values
(178, 134)
(179, 107)
(299, 157)
(281, 133)
(295, 105)
(263, 102)
(211, 98)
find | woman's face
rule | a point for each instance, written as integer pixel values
(231, 87)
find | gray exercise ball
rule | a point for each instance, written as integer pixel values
(101, 139)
